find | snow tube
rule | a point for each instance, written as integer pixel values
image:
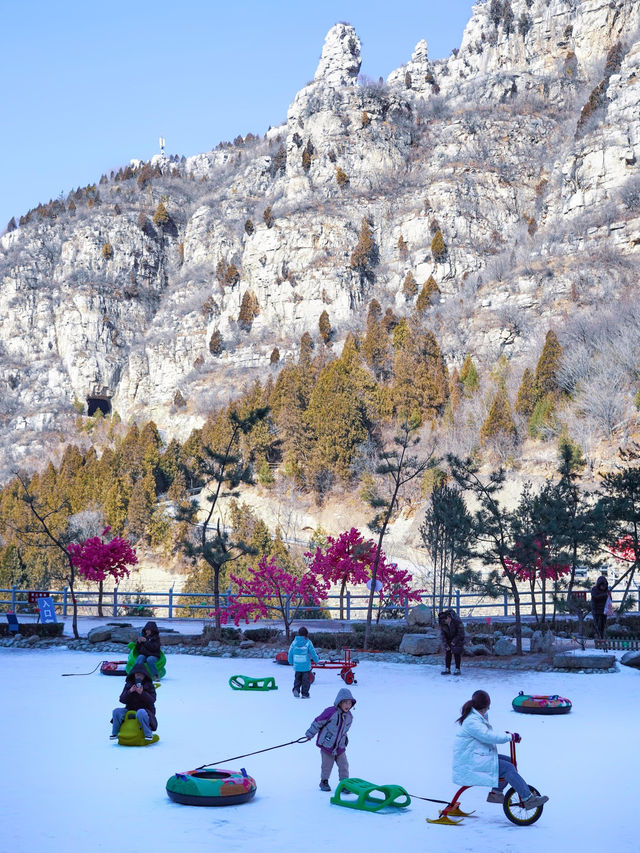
(211, 787)
(283, 658)
(528, 704)
(131, 733)
(113, 667)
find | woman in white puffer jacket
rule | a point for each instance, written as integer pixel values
(475, 755)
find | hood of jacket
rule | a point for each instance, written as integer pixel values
(343, 694)
(151, 627)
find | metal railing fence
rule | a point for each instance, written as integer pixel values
(173, 605)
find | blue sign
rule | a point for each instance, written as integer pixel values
(47, 610)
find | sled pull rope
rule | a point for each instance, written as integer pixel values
(246, 754)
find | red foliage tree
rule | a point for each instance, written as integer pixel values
(269, 588)
(96, 559)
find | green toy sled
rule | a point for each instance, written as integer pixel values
(161, 666)
(244, 682)
(370, 797)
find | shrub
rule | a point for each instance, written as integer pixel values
(227, 635)
(333, 640)
(268, 216)
(249, 227)
(365, 119)
(341, 177)
(35, 629)
(262, 635)
(407, 80)
(365, 253)
(178, 400)
(274, 358)
(429, 290)
(249, 309)
(307, 154)
(107, 251)
(215, 343)
(409, 286)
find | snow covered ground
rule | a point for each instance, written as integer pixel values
(65, 787)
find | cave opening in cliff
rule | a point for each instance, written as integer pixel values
(95, 403)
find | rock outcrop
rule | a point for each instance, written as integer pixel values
(521, 148)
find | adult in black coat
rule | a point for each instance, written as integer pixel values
(452, 633)
(599, 594)
(138, 695)
(148, 648)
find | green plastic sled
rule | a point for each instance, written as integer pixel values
(368, 794)
(131, 733)
(161, 666)
(245, 682)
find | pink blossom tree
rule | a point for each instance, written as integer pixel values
(270, 588)
(347, 559)
(350, 559)
(96, 558)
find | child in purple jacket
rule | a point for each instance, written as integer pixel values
(332, 726)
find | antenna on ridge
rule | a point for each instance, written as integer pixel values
(162, 143)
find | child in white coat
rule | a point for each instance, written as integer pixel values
(475, 755)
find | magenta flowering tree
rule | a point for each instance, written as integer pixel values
(396, 586)
(270, 588)
(350, 559)
(347, 559)
(532, 561)
(96, 559)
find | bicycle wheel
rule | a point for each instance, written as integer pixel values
(516, 812)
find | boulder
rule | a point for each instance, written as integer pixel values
(247, 644)
(631, 659)
(477, 650)
(542, 642)
(504, 647)
(101, 634)
(420, 644)
(593, 660)
(124, 635)
(420, 615)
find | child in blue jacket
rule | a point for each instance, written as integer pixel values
(332, 726)
(301, 653)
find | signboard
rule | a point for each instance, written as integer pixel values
(33, 595)
(47, 610)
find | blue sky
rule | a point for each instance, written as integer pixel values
(86, 86)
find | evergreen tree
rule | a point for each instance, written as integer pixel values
(429, 291)
(469, 376)
(409, 286)
(438, 248)
(547, 367)
(526, 398)
(324, 327)
(499, 422)
(161, 216)
(365, 254)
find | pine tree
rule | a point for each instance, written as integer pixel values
(438, 248)
(547, 367)
(499, 422)
(469, 376)
(526, 397)
(425, 298)
(365, 254)
(324, 327)
(161, 216)
(249, 310)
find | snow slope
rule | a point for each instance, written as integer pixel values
(66, 787)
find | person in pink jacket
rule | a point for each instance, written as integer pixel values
(475, 755)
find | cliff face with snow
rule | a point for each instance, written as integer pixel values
(521, 149)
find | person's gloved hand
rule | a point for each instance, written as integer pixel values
(515, 737)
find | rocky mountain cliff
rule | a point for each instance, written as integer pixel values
(162, 289)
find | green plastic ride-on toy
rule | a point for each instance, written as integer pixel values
(131, 733)
(161, 666)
